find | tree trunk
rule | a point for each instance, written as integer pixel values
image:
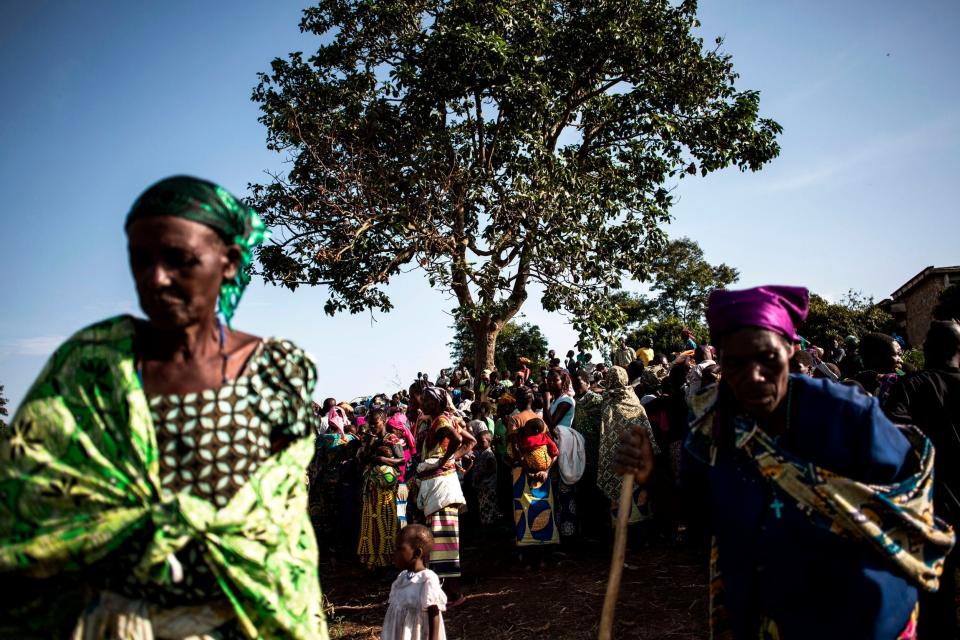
(485, 334)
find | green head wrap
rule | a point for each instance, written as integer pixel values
(210, 204)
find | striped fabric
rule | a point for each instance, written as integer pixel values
(445, 557)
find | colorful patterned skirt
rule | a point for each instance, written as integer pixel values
(445, 557)
(533, 512)
(378, 524)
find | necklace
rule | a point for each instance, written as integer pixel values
(786, 426)
(224, 357)
(786, 422)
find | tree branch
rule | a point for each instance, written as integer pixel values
(573, 103)
(459, 268)
(481, 133)
(519, 293)
(494, 138)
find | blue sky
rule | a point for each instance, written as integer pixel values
(102, 98)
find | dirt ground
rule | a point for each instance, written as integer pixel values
(663, 595)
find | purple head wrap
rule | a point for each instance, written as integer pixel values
(778, 308)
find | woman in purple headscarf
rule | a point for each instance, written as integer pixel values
(821, 508)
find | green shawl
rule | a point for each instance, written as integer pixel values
(79, 475)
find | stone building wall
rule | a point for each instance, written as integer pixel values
(920, 302)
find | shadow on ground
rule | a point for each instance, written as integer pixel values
(664, 595)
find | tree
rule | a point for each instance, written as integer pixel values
(682, 282)
(636, 309)
(855, 314)
(515, 340)
(665, 333)
(3, 411)
(494, 145)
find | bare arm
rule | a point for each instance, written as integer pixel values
(433, 617)
(453, 443)
(467, 443)
(553, 419)
(396, 459)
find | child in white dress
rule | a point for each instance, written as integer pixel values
(416, 597)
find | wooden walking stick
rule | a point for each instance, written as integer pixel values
(616, 564)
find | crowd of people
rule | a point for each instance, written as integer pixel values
(543, 463)
(152, 482)
(537, 455)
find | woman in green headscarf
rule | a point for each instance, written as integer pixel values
(153, 482)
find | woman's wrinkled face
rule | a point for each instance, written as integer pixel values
(756, 367)
(178, 266)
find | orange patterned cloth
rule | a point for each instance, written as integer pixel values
(537, 460)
